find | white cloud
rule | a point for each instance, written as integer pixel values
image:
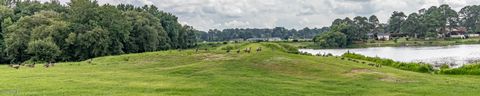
(220, 14)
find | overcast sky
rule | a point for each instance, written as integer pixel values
(221, 14)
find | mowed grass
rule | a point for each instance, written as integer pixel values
(217, 73)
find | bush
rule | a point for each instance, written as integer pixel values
(331, 40)
(424, 68)
(464, 70)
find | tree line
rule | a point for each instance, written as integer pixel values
(82, 29)
(433, 22)
(277, 32)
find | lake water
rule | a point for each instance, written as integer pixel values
(455, 56)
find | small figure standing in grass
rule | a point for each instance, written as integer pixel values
(259, 49)
(16, 66)
(90, 61)
(46, 65)
(31, 65)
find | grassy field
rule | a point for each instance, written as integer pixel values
(271, 72)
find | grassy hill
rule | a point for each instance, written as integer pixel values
(270, 72)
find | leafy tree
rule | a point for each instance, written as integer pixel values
(331, 40)
(471, 17)
(412, 25)
(395, 21)
(42, 25)
(43, 50)
(362, 26)
(373, 20)
(147, 33)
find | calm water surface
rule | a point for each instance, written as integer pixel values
(454, 56)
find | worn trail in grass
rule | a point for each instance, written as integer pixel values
(270, 72)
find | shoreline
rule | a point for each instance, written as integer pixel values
(391, 43)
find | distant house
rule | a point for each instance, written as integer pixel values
(275, 39)
(237, 40)
(305, 39)
(458, 32)
(265, 39)
(383, 36)
(473, 35)
(257, 39)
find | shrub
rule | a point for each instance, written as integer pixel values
(464, 70)
(424, 68)
(331, 40)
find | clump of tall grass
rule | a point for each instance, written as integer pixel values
(417, 67)
(473, 69)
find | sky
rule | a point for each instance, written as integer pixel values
(222, 14)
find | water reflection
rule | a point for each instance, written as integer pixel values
(454, 56)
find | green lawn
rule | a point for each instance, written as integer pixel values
(216, 73)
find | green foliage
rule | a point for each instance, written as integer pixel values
(280, 32)
(331, 40)
(395, 21)
(424, 68)
(84, 29)
(42, 50)
(444, 67)
(473, 69)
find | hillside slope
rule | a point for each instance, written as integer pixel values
(269, 72)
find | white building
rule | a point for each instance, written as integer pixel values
(473, 35)
(275, 39)
(383, 36)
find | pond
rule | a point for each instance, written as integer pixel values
(455, 56)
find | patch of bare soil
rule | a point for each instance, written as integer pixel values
(382, 76)
(214, 57)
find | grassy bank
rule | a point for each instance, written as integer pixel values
(271, 72)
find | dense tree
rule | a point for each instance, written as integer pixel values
(277, 32)
(395, 21)
(331, 40)
(5, 20)
(412, 26)
(334, 38)
(50, 31)
(362, 27)
(373, 20)
(146, 32)
(471, 18)
(43, 50)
